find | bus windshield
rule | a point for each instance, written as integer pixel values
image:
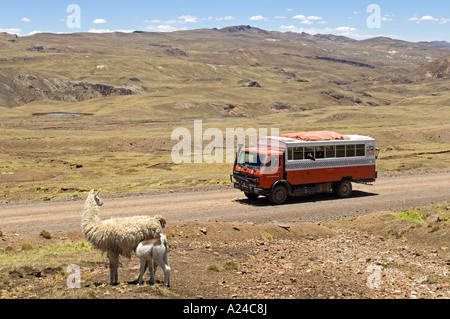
(251, 160)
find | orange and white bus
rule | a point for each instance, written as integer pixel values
(301, 164)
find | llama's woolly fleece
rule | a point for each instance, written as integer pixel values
(119, 235)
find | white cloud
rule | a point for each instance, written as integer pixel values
(342, 31)
(345, 29)
(258, 18)
(100, 31)
(291, 28)
(164, 28)
(227, 18)
(300, 17)
(387, 17)
(183, 20)
(25, 19)
(310, 19)
(187, 19)
(314, 18)
(423, 18)
(12, 31)
(357, 12)
(444, 21)
(34, 32)
(428, 18)
(99, 21)
(280, 17)
(164, 25)
(109, 31)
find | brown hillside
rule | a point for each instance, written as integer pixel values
(439, 69)
(207, 67)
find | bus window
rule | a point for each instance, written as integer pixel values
(319, 152)
(298, 153)
(290, 153)
(330, 151)
(340, 150)
(273, 161)
(360, 150)
(309, 152)
(251, 160)
(350, 150)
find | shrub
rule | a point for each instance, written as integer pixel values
(410, 215)
(231, 265)
(213, 267)
(267, 236)
(26, 247)
(46, 234)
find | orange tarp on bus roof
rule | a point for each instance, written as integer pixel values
(316, 136)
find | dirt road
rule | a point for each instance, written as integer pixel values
(227, 204)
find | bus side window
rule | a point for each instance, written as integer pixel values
(290, 154)
(340, 150)
(319, 152)
(350, 150)
(331, 151)
(298, 153)
(360, 150)
(309, 152)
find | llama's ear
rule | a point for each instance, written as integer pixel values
(91, 192)
(98, 192)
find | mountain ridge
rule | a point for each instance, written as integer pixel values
(206, 66)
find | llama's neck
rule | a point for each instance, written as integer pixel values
(90, 214)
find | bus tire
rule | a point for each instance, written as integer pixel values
(251, 196)
(344, 189)
(278, 195)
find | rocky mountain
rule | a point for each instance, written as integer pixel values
(208, 66)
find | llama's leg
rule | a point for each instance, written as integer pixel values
(113, 266)
(167, 275)
(167, 268)
(151, 268)
(163, 262)
(142, 270)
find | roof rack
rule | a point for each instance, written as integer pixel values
(316, 136)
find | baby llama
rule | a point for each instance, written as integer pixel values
(153, 253)
(119, 236)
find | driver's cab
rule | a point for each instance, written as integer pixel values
(265, 165)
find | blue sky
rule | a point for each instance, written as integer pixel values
(409, 20)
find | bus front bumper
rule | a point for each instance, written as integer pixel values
(247, 184)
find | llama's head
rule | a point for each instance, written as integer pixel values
(97, 199)
(161, 220)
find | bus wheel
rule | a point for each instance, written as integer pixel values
(278, 195)
(344, 189)
(251, 196)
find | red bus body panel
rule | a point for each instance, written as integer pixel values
(326, 175)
